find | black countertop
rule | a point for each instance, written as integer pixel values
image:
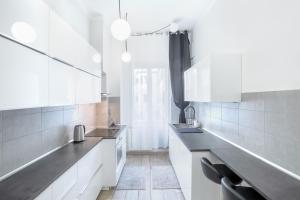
(107, 133)
(269, 181)
(28, 183)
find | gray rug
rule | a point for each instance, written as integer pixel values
(163, 177)
(132, 178)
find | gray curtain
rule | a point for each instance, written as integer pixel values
(179, 59)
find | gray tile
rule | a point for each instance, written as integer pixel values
(274, 123)
(1, 121)
(70, 116)
(252, 139)
(230, 115)
(55, 137)
(18, 124)
(69, 130)
(252, 101)
(297, 166)
(292, 126)
(51, 109)
(21, 151)
(52, 119)
(216, 112)
(13, 113)
(292, 100)
(207, 110)
(215, 125)
(281, 151)
(230, 105)
(1, 150)
(230, 131)
(71, 107)
(215, 104)
(251, 119)
(275, 101)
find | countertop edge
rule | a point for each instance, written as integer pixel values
(43, 161)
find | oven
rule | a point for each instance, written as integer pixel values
(120, 153)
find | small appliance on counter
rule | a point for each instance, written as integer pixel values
(79, 133)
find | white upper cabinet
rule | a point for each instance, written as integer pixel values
(25, 21)
(217, 78)
(62, 84)
(88, 88)
(69, 46)
(23, 77)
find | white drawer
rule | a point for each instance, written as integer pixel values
(65, 183)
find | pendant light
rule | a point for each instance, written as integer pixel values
(126, 56)
(120, 28)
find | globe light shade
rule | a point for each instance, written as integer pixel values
(174, 27)
(120, 29)
(97, 58)
(23, 32)
(126, 57)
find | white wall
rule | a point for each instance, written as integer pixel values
(265, 32)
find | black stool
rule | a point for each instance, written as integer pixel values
(215, 172)
(232, 192)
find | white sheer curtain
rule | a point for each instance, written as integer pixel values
(145, 93)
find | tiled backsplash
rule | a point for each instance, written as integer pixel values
(267, 124)
(27, 134)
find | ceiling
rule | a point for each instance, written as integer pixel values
(148, 15)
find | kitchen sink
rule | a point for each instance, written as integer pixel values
(185, 128)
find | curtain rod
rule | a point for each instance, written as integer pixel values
(157, 33)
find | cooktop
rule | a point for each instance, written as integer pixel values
(104, 132)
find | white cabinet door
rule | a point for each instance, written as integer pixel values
(63, 41)
(88, 88)
(23, 77)
(178, 152)
(69, 46)
(65, 184)
(203, 81)
(95, 186)
(26, 22)
(62, 84)
(216, 78)
(87, 167)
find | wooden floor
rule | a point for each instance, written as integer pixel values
(148, 161)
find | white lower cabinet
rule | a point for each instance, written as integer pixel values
(93, 189)
(83, 181)
(64, 184)
(187, 166)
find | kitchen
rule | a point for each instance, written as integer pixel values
(149, 100)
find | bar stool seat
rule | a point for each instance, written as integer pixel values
(232, 192)
(215, 172)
